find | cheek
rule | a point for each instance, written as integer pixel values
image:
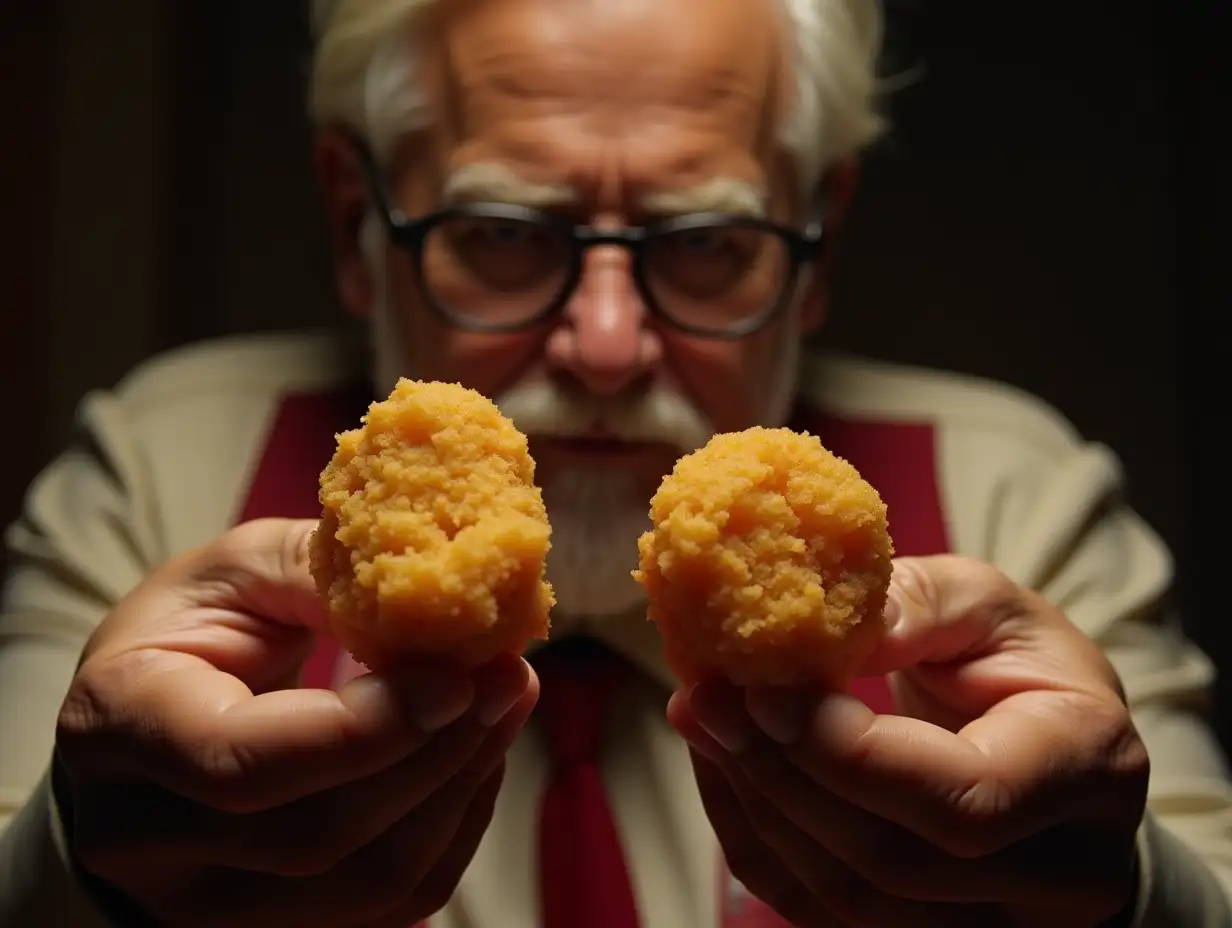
(733, 383)
(436, 350)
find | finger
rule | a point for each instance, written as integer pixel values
(946, 609)
(748, 858)
(1036, 760)
(846, 895)
(373, 882)
(127, 827)
(244, 605)
(252, 581)
(261, 567)
(1074, 868)
(681, 718)
(312, 835)
(1075, 865)
(775, 833)
(939, 609)
(206, 737)
(438, 886)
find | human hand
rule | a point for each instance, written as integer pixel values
(1007, 792)
(209, 795)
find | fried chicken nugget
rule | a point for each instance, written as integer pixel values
(433, 536)
(768, 562)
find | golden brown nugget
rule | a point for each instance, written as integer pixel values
(768, 563)
(433, 536)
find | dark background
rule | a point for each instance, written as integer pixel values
(1049, 210)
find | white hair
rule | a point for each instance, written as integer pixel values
(363, 76)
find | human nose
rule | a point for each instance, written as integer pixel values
(603, 339)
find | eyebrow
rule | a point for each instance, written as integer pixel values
(488, 182)
(718, 195)
(491, 182)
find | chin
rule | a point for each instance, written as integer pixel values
(597, 516)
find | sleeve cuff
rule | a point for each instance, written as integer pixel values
(1176, 889)
(37, 884)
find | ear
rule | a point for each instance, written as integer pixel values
(344, 193)
(837, 191)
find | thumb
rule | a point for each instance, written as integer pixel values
(245, 603)
(944, 608)
(260, 568)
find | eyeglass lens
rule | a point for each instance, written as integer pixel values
(504, 271)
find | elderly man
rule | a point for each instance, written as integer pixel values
(615, 218)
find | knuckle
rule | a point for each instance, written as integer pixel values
(81, 714)
(1112, 750)
(240, 538)
(220, 775)
(1002, 601)
(915, 582)
(280, 544)
(973, 823)
(232, 546)
(294, 552)
(86, 707)
(226, 565)
(96, 713)
(1128, 759)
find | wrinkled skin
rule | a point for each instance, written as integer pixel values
(1013, 768)
(1007, 792)
(661, 97)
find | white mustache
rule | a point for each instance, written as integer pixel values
(544, 408)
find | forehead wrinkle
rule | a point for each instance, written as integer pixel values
(545, 57)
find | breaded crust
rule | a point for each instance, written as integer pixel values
(768, 563)
(433, 536)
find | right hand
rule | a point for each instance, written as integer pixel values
(209, 795)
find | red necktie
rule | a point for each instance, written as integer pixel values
(583, 880)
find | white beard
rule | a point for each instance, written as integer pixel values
(596, 518)
(597, 514)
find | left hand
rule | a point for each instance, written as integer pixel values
(1008, 792)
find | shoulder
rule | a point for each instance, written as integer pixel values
(183, 432)
(866, 390)
(246, 367)
(159, 464)
(1014, 482)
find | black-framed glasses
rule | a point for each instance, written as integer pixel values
(498, 267)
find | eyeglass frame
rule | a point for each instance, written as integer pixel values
(410, 235)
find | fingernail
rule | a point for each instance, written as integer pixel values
(780, 712)
(498, 688)
(842, 715)
(437, 698)
(719, 709)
